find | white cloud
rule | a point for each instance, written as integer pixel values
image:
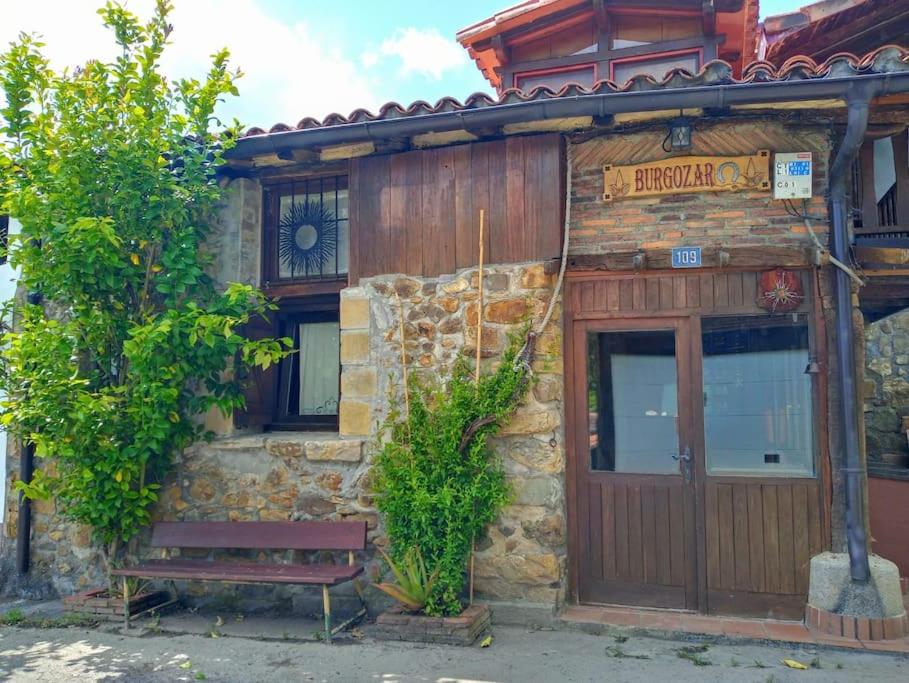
(290, 70)
(423, 52)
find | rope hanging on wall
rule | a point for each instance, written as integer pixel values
(307, 237)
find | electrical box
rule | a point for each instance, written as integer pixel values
(792, 175)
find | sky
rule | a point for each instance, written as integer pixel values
(300, 57)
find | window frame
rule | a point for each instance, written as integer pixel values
(323, 308)
(698, 52)
(587, 66)
(272, 283)
(798, 318)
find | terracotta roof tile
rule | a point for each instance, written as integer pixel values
(889, 58)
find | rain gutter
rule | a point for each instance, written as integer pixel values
(597, 105)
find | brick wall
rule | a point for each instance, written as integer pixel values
(706, 218)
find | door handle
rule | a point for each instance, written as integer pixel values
(684, 459)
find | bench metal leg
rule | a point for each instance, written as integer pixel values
(125, 604)
(326, 607)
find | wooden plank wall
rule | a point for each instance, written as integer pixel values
(762, 534)
(417, 212)
(648, 293)
(641, 535)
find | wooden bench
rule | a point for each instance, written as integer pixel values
(325, 536)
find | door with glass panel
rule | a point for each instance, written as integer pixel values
(635, 471)
(762, 507)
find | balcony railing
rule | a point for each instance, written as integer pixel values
(879, 221)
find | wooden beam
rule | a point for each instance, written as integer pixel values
(869, 201)
(901, 163)
(708, 17)
(882, 255)
(601, 15)
(498, 47)
(711, 257)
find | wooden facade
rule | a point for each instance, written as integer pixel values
(416, 212)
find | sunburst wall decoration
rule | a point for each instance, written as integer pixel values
(307, 238)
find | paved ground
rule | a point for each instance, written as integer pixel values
(77, 654)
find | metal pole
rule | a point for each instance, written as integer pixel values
(26, 470)
(853, 468)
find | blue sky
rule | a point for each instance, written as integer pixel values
(300, 57)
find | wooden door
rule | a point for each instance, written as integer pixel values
(756, 439)
(632, 425)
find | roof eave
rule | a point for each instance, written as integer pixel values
(600, 105)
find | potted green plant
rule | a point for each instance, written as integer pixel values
(439, 485)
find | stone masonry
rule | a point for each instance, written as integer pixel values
(887, 385)
(524, 554)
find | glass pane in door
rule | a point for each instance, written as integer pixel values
(632, 400)
(758, 415)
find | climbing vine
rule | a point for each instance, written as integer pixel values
(439, 484)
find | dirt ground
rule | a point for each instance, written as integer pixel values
(79, 654)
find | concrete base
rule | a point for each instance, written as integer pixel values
(831, 588)
(525, 614)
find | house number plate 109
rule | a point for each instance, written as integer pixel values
(686, 257)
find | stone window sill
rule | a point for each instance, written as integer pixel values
(314, 446)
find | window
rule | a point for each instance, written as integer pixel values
(758, 413)
(577, 39)
(306, 230)
(625, 69)
(632, 397)
(583, 75)
(302, 392)
(308, 379)
(631, 31)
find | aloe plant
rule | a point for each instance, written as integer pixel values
(413, 584)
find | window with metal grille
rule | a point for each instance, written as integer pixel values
(306, 230)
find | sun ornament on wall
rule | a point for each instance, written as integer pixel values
(780, 291)
(307, 237)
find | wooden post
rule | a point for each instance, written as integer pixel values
(480, 300)
(125, 584)
(403, 360)
(479, 350)
(326, 607)
(472, 555)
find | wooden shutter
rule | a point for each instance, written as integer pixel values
(260, 385)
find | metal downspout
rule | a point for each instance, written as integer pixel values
(853, 470)
(26, 470)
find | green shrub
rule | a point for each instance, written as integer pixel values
(438, 483)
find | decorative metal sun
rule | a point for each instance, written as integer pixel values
(780, 291)
(307, 237)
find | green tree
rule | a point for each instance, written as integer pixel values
(112, 171)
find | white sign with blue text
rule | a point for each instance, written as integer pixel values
(686, 257)
(792, 176)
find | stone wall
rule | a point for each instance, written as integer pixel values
(886, 385)
(524, 554)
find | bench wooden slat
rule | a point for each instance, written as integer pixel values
(206, 570)
(261, 535)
